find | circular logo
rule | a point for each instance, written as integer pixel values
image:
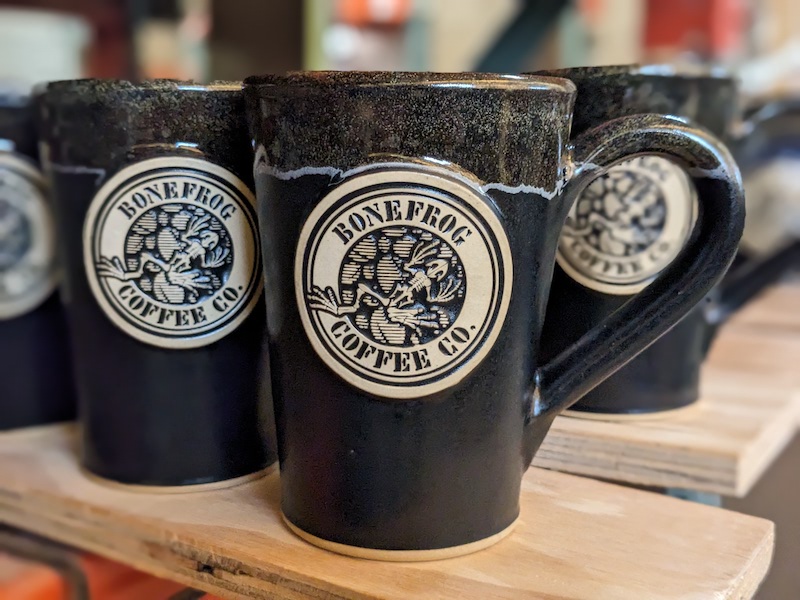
(27, 238)
(172, 252)
(628, 225)
(403, 279)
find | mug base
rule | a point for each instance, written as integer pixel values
(179, 489)
(400, 555)
(632, 416)
(34, 432)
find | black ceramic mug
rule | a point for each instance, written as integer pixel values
(163, 278)
(628, 226)
(409, 225)
(768, 153)
(35, 371)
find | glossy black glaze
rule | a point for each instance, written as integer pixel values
(445, 469)
(769, 134)
(770, 130)
(666, 375)
(610, 92)
(35, 369)
(152, 415)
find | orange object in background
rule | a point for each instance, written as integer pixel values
(361, 13)
(21, 579)
(709, 28)
(106, 580)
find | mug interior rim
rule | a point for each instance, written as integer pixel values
(377, 79)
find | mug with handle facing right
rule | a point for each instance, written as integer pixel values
(409, 224)
(628, 225)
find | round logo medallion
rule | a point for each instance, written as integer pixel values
(628, 225)
(403, 279)
(172, 252)
(27, 238)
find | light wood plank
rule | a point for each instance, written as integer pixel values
(721, 445)
(770, 356)
(577, 539)
(748, 412)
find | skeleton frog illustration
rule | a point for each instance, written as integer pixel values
(185, 272)
(396, 316)
(627, 212)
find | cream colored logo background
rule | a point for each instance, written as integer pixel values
(28, 273)
(172, 251)
(403, 279)
(628, 225)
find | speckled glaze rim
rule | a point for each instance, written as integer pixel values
(373, 79)
(649, 71)
(105, 87)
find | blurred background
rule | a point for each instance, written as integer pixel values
(216, 39)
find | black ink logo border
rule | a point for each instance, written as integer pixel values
(156, 169)
(395, 180)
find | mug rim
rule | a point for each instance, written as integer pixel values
(110, 86)
(418, 79)
(650, 70)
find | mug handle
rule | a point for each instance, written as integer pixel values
(709, 252)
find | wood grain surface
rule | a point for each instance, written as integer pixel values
(721, 445)
(577, 539)
(748, 411)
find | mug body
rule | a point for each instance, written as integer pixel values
(625, 228)
(35, 365)
(768, 153)
(163, 279)
(409, 224)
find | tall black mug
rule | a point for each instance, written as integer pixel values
(163, 279)
(409, 226)
(630, 224)
(35, 371)
(768, 152)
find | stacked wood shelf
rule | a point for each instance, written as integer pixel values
(748, 411)
(577, 538)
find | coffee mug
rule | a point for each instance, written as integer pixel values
(163, 279)
(768, 153)
(409, 225)
(632, 223)
(35, 368)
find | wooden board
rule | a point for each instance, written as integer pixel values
(722, 445)
(577, 539)
(748, 412)
(769, 356)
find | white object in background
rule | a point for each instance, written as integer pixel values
(774, 74)
(616, 30)
(461, 31)
(39, 45)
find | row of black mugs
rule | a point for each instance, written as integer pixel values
(386, 285)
